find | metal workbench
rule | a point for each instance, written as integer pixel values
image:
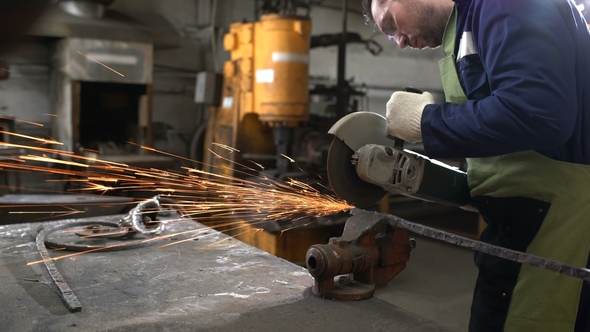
(201, 284)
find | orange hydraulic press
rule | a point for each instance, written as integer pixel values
(265, 93)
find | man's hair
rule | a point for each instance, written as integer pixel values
(369, 19)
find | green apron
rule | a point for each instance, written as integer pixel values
(541, 300)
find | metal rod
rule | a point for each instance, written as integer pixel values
(63, 289)
(342, 95)
(509, 254)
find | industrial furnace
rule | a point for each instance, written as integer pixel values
(102, 94)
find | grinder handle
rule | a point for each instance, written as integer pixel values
(398, 142)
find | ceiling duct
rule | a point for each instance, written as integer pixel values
(85, 9)
(93, 20)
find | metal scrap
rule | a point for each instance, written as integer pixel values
(63, 290)
(136, 221)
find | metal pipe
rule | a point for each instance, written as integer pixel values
(216, 66)
(342, 95)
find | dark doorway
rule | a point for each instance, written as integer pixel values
(110, 116)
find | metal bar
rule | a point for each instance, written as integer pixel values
(342, 96)
(63, 289)
(509, 254)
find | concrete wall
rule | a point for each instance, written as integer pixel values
(175, 115)
(383, 74)
(26, 94)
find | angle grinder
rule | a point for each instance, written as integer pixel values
(364, 164)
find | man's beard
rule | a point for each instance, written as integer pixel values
(433, 36)
(432, 25)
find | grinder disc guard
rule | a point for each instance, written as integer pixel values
(345, 181)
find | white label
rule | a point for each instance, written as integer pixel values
(228, 102)
(466, 45)
(116, 59)
(265, 76)
(290, 57)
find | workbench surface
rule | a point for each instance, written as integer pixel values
(211, 282)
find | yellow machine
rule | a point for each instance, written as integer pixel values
(265, 93)
(264, 113)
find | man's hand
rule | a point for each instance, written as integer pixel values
(404, 112)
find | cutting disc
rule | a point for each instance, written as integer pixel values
(345, 181)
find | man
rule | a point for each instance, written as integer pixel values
(516, 77)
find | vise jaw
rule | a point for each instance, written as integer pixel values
(370, 252)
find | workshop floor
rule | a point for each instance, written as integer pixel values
(437, 284)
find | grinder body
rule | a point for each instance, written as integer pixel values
(364, 164)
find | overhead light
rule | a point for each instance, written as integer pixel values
(86, 9)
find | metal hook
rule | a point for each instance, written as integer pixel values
(142, 218)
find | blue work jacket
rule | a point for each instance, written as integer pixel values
(525, 68)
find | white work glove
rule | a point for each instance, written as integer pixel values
(404, 113)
